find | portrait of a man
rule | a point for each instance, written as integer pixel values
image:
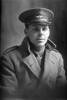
(35, 69)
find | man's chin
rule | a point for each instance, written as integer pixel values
(41, 44)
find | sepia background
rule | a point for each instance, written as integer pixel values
(12, 30)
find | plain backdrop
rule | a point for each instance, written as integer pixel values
(12, 30)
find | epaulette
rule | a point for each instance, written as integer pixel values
(10, 49)
(50, 44)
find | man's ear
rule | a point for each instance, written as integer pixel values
(25, 31)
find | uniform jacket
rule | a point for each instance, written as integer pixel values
(22, 77)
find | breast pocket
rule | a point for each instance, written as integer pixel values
(50, 72)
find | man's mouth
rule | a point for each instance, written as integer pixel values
(40, 39)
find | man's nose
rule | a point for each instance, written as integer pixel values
(40, 31)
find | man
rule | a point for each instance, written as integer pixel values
(35, 69)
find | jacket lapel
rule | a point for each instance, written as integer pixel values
(32, 64)
(50, 65)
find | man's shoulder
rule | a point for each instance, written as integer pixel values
(9, 50)
(53, 49)
(17, 50)
(55, 54)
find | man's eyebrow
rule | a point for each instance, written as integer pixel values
(38, 25)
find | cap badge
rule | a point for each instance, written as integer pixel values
(42, 18)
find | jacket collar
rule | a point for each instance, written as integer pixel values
(30, 60)
(32, 64)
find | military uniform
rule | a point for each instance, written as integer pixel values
(22, 76)
(26, 77)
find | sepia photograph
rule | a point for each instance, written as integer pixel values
(33, 50)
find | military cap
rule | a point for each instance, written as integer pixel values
(37, 15)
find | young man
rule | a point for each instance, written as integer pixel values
(35, 69)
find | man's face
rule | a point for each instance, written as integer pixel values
(38, 34)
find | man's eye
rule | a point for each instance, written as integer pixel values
(36, 29)
(44, 28)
